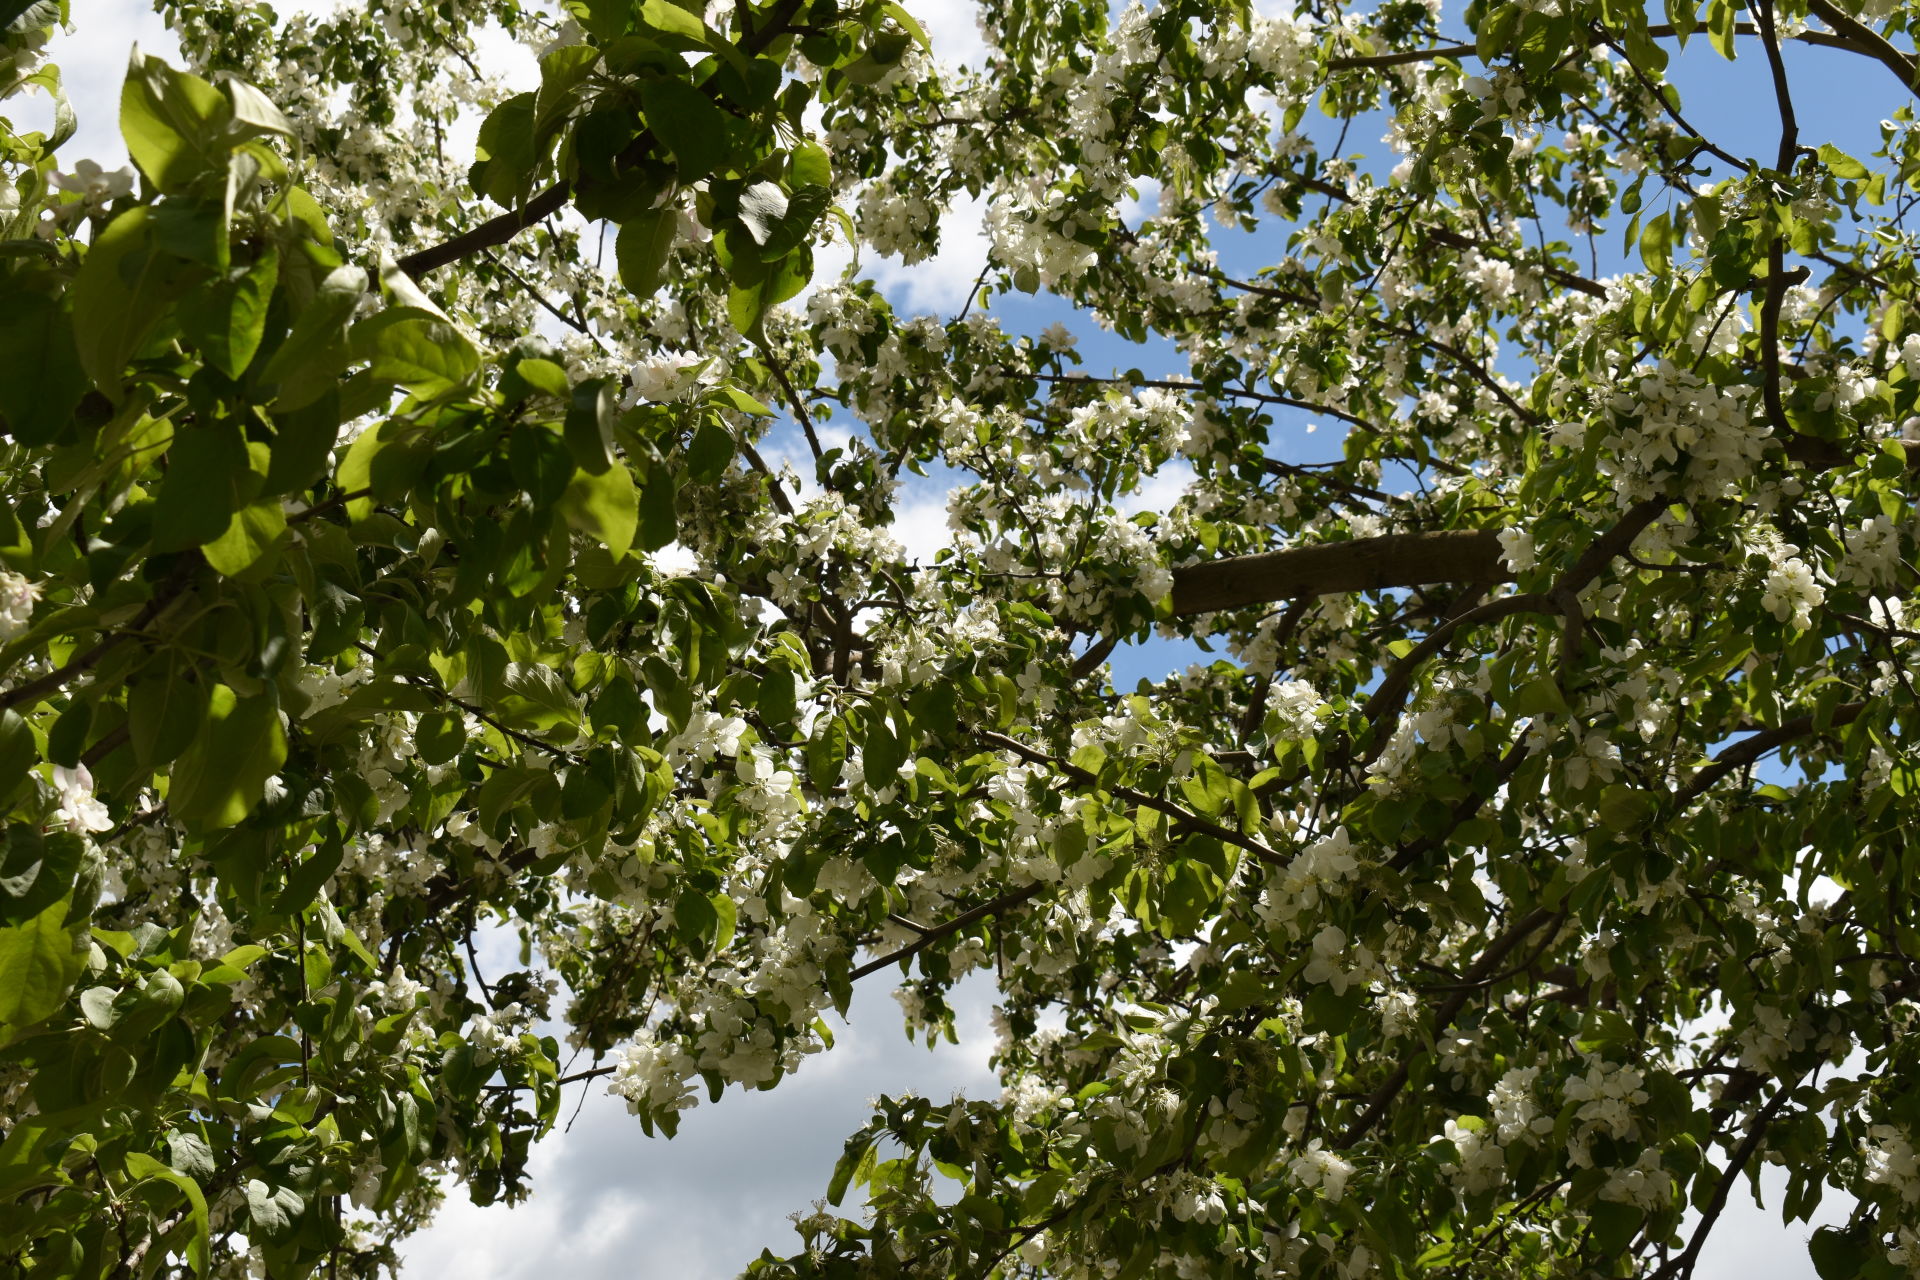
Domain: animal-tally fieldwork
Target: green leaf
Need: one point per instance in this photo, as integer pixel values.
(1839, 1254)
(673, 20)
(544, 376)
(1656, 245)
(795, 223)
(692, 128)
(589, 426)
(120, 293)
(254, 114)
(1642, 48)
(1613, 1226)
(41, 380)
(39, 962)
(36, 870)
(853, 1158)
(198, 497)
(18, 15)
(175, 123)
(68, 737)
(881, 752)
(302, 446)
(306, 365)
(1540, 697)
(253, 531)
(16, 548)
(1840, 163)
(189, 1153)
(748, 301)
(671, 696)
(194, 231)
(273, 1212)
(146, 1167)
(694, 915)
(808, 166)
(533, 696)
(220, 778)
(561, 73)
(226, 317)
(1685, 17)
(741, 400)
(659, 513)
(164, 715)
(439, 737)
(709, 452)
(603, 506)
(1721, 27)
(777, 700)
(506, 150)
(424, 353)
(908, 21)
(643, 247)
(1623, 808)
(18, 751)
(882, 56)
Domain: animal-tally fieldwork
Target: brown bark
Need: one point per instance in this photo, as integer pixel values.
(1366, 564)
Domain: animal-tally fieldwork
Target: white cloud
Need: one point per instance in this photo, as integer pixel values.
(941, 283)
(93, 64)
(920, 522)
(610, 1202)
(1143, 204)
(953, 29)
(1162, 489)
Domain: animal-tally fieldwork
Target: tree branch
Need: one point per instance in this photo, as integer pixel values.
(936, 932)
(1158, 804)
(1331, 568)
(1393, 686)
(168, 592)
(1683, 1265)
(1867, 42)
(1742, 754)
(1663, 31)
(1470, 981)
(499, 230)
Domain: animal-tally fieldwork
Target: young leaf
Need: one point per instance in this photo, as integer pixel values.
(41, 380)
(175, 123)
(692, 128)
(603, 506)
(642, 249)
(219, 779)
(122, 288)
(226, 317)
(39, 962)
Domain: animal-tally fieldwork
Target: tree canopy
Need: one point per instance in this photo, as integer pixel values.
(393, 560)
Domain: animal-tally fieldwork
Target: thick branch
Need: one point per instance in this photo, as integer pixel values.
(1364, 564)
(494, 231)
(1748, 751)
(1866, 41)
